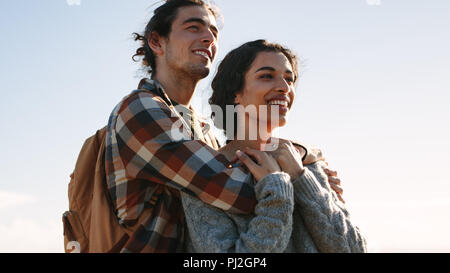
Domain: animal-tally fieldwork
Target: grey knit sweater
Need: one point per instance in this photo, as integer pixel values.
(304, 215)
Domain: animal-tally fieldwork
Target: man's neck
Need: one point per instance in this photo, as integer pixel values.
(179, 88)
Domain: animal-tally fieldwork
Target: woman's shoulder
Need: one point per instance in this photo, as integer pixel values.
(313, 153)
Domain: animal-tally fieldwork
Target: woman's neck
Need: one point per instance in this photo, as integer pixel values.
(253, 144)
(258, 140)
(232, 146)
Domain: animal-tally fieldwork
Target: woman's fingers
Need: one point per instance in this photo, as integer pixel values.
(234, 160)
(283, 160)
(265, 164)
(290, 160)
(251, 165)
(257, 155)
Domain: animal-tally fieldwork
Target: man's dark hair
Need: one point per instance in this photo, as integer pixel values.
(230, 77)
(161, 22)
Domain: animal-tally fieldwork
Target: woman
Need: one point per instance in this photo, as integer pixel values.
(297, 210)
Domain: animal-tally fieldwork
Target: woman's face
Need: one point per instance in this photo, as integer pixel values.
(269, 83)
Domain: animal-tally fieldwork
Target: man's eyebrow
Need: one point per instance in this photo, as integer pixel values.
(272, 69)
(200, 21)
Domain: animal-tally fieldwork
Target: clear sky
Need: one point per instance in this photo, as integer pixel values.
(373, 95)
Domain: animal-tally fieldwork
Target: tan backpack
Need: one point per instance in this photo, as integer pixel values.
(91, 225)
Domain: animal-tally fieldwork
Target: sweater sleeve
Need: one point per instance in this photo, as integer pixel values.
(326, 218)
(213, 230)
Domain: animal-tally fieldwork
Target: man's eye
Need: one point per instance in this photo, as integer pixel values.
(194, 28)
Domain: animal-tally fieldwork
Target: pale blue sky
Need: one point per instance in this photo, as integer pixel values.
(374, 95)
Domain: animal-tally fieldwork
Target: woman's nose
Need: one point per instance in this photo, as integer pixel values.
(282, 86)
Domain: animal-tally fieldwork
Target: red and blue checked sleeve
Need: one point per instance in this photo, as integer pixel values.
(150, 150)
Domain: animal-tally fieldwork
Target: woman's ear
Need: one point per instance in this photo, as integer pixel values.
(237, 98)
(155, 42)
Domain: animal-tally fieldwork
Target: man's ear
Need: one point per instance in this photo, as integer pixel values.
(155, 42)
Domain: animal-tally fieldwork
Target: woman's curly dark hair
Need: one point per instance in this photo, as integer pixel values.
(161, 22)
(230, 77)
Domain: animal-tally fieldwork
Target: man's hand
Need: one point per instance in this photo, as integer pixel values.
(334, 182)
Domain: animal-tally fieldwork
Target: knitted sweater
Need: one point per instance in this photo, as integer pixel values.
(302, 216)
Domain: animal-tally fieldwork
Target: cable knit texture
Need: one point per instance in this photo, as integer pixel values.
(314, 221)
(268, 230)
(324, 216)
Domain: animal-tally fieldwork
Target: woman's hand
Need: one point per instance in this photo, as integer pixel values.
(265, 164)
(290, 160)
(229, 151)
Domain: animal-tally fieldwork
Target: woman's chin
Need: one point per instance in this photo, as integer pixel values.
(282, 120)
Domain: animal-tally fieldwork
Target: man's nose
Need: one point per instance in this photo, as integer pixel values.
(208, 37)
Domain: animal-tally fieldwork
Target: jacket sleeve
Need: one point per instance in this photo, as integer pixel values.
(269, 230)
(146, 136)
(326, 218)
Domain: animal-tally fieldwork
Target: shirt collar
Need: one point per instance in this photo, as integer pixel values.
(154, 86)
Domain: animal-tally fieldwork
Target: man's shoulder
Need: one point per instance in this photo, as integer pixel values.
(141, 99)
(137, 102)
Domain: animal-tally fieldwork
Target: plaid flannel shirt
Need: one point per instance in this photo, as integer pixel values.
(147, 164)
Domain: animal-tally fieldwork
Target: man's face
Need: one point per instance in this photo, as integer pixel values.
(192, 43)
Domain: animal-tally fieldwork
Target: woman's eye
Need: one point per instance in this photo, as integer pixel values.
(290, 80)
(266, 76)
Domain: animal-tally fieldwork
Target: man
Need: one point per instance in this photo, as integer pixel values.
(146, 164)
